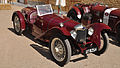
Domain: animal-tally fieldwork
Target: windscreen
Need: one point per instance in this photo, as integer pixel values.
(44, 9)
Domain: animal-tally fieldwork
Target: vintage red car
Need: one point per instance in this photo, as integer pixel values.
(66, 37)
(100, 13)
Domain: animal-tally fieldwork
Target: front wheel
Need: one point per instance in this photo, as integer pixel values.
(60, 49)
(103, 43)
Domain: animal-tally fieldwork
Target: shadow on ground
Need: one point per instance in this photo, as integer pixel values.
(12, 30)
(29, 36)
(78, 59)
(113, 41)
(43, 51)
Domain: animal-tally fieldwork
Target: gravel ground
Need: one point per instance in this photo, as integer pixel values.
(23, 52)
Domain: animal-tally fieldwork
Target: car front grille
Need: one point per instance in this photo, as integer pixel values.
(81, 35)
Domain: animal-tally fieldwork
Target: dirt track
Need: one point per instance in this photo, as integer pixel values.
(23, 52)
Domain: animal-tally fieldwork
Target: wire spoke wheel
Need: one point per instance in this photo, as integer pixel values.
(103, 44)
(17, 24)
(58, 49)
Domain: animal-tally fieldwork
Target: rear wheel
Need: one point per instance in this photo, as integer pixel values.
(17, 25)
(118, 34)
(60, 50)
(103, 43)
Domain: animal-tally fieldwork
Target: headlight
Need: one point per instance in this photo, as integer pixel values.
(90, 31)
(73, 33)
(79, 16)
(101, 20)
(61, 24)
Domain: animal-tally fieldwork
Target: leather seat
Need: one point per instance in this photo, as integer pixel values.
(33, 17)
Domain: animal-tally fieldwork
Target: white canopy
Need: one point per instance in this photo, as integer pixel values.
(61, 2)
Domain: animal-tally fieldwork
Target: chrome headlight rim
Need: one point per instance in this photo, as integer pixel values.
(61, 24)
(73, 33)
(79, 27)
(79, 16)
(90, 31)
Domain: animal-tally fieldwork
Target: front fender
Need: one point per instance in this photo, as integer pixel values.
(98, 28)
(61, 30)
(22, 21)
(55, 30)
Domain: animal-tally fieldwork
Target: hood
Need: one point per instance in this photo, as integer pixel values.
(54, 20)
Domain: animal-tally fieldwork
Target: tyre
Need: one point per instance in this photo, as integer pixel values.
(73, 15)
(118, 33)
(60, 49)
(103, 44)
(17, 25)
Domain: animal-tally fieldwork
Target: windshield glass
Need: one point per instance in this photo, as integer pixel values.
(44, 9)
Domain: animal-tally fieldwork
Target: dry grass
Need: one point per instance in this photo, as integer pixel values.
(5, 6)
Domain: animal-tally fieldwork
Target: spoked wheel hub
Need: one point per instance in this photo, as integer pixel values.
(58, 49)
(17, 24)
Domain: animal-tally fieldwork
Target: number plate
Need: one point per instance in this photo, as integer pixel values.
(91, 50)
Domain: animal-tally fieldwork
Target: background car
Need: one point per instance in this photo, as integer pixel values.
(100, 13)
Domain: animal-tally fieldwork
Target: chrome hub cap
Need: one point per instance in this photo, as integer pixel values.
(17, 24)
(58, 49)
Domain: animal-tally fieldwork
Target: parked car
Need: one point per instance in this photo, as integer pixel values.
(66, 37)
(100, 13)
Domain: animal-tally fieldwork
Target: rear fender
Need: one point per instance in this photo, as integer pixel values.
(78, 11)
(22, 21)
(98, 28)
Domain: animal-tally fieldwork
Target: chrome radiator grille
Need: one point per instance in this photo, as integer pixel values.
(81, 35)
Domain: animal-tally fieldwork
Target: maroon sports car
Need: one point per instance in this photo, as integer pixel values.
(66, 37)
